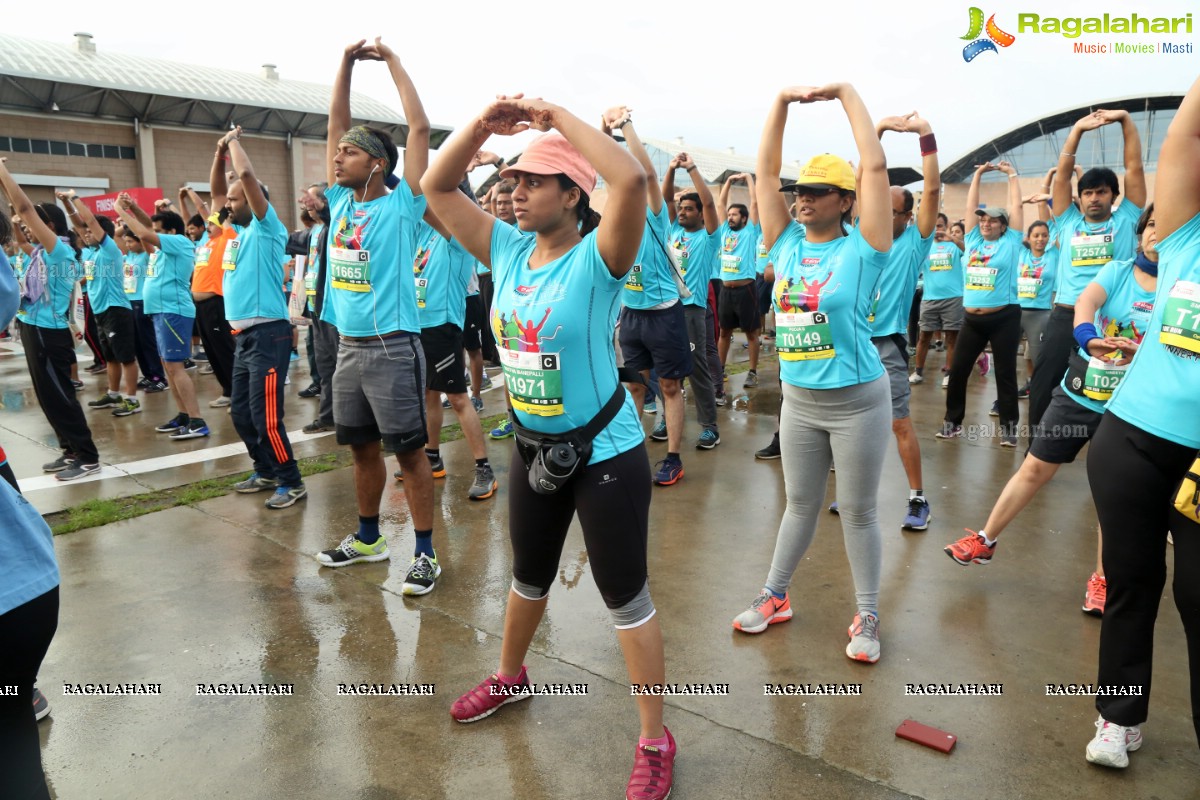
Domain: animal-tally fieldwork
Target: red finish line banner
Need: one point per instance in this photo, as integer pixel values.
(103, 204)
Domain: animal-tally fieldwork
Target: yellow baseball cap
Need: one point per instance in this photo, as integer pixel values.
(824, 172)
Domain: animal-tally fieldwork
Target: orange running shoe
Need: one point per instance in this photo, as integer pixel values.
(1093, 597)
(970, 549)
(767, 609)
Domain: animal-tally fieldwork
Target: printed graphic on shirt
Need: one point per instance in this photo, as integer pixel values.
(532, 366)
(420, 262)
(802, 331)
(1029, 281)
(349, 263)
(1181, 320)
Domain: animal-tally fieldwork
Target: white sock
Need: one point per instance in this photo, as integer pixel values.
(986, 540)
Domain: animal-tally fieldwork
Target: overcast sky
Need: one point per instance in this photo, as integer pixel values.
(704, 71)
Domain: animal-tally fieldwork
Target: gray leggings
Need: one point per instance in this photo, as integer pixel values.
(849, 426)
(1033, 322)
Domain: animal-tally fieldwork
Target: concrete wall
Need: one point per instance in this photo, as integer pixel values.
(121, 173)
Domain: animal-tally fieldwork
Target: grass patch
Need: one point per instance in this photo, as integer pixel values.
(95, 513)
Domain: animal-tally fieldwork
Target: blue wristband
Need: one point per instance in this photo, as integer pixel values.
(1085, 333)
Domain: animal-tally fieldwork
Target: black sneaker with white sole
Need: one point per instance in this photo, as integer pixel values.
(77, 471)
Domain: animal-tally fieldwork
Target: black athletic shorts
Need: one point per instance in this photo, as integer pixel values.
(117, 342)
(474, 323)
(445, 362)
(738, 308)
(656, 339)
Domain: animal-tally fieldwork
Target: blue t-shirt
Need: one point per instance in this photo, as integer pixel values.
(28, 568)
(1159, 393)
(10, 293)
(168, 286)
(649, 282)
(370, 247)
(693, 254)
(898, 283)
(133, 275)
(105, 287)
(554, 331)
(943, 271)
(252, 279)
(442, 270)
(1125, 312)
(53, 308)
(1085, 247)
(990, 269)
(1036, 278)
(822, 296)
(761, 255)
(737, 252)
(312, 264)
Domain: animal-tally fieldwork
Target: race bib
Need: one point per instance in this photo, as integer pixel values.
(633, 282)
(1101, 378)
(803, 337)
(129, 279)
(202, 255)
(230, 257)
(534, 382)
(1091, 250)
(941, 262)
(1181, 317)
(980, 278)
(350, 269)
(152, 265)
(422, 291)
(310, 280)
(1028, 288)
(89, 270)
(730, 264)
(680, 257)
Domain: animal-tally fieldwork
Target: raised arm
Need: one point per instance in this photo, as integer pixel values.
(23, 207)
(135, 219)
(668, 187)
(753, 197)
(201, 206)
(1177, 192)
(712, 220)
(618, 118)
(339, 107)
(931, 191)
(1016, 211)
(184, 211)
(1061, 191)
(466, 222)
(1039, 199)
(81, 216)
(255, 197)
(416, 146)
(619, 236)
(723, 197)
(218, 182)
(1135, 173)
(970, 219)
(18, 234)
(874, 196)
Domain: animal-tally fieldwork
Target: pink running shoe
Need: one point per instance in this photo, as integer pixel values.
(486, 698)
(653, 772)
(985, 364)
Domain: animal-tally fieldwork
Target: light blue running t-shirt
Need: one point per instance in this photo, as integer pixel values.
(990, 269)
(442, 270)
(1161, 390)
(898, 283)
(554, 332)
(737, 252)
(822, 297)
(1085, 247)
(369, 277)
(168, 286)
(693, 253)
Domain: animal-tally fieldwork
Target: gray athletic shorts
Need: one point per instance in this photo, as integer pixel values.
(1033, 322)
(379, 392)
(942, 315)
(895, 362)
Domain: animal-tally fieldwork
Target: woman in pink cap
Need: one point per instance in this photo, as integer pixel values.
(566, 398)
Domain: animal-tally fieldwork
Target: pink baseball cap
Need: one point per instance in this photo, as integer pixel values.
(552, 154)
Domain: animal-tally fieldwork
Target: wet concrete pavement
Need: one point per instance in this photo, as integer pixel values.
(227, 592)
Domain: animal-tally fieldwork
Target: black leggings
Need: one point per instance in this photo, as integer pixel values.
(1003, 330)
(1134, 476)
(49, 353)
(1053, 358)
(26, 632)
(612, 498)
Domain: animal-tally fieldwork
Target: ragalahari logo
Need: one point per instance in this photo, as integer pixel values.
(995, 36)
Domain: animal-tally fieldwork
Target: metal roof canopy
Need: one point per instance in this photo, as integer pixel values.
(962, 169)
(77, 81)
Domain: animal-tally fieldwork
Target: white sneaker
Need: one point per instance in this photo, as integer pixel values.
(220, 402)
(1111, 745)
(946, 382)
(916, 377)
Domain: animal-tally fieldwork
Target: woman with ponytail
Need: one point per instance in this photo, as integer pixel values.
(554, 311)
(49, 278)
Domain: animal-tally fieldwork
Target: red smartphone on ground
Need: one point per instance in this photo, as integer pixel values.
(926, 735)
